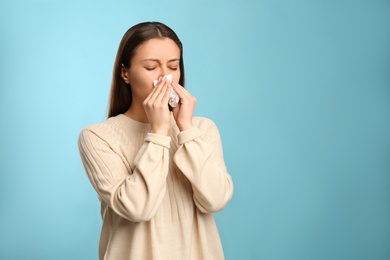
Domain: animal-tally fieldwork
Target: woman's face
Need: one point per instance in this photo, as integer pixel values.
(152, 59)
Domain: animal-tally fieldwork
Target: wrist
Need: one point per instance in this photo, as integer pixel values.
(159, 130)
(185, 127)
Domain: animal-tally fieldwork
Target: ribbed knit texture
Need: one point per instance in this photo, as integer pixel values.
(157, 192)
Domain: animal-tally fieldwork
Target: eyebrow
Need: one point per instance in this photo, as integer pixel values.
(158, 61)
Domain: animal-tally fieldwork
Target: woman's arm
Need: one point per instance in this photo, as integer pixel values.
(135, 195)
(200, 158)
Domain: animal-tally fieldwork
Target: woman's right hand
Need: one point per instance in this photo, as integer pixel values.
(156, 107)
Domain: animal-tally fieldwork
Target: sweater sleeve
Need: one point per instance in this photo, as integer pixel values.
(200, 158)
(134, 195)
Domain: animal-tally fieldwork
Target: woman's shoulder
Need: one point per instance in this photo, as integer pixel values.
(116, 127)
(200, 120)
(98, 131)
(204, 123)
(106, 126)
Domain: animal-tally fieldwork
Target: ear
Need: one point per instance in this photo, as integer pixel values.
(125, 74)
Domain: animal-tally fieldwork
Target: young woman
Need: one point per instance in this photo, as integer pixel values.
(158, 171)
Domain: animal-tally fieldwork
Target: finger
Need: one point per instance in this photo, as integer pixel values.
(156, 86)
(164, 93)
(182, 92)
(158, 91)
(184, 95)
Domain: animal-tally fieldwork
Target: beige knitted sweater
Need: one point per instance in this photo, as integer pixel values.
(157, 192)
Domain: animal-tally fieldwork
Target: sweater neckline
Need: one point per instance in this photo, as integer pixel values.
(139, 125)
(134, 123)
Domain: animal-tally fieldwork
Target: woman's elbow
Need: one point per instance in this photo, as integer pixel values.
(211, 206)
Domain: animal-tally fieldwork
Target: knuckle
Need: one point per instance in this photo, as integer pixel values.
(147, 104)
(157, 105)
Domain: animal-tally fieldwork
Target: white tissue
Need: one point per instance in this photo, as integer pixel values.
(174, 98)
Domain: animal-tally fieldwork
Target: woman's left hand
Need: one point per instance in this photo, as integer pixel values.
(184, 112)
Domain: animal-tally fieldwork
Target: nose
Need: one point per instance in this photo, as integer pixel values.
(164, 70)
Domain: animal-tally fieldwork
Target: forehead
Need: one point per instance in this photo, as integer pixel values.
(157, 48)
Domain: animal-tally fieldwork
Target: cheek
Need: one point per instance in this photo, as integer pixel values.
(176, 75)
(141, 85)
(141, 79)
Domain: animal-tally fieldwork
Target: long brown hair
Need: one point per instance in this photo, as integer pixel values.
(120, 93)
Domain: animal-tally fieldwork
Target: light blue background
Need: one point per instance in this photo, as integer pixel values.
(300, 91)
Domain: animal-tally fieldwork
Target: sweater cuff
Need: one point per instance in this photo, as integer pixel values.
(158, 139)
(189, 135)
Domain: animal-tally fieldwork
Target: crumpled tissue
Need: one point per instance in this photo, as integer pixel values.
(174, 98)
